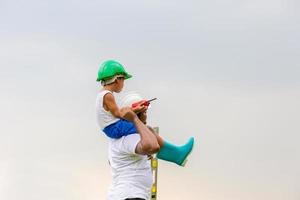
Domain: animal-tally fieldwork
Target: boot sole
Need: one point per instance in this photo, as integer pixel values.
(186, 159)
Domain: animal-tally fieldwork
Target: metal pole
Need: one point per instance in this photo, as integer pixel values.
(154, 166)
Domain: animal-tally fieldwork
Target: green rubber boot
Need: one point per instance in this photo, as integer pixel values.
(176, 154)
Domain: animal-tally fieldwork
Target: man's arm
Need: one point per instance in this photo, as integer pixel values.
(158, 138)
(148, 143)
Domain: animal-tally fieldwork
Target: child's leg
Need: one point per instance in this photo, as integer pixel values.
(119, 129)
(174, 153)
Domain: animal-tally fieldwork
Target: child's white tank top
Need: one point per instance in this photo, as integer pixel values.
(104, 118)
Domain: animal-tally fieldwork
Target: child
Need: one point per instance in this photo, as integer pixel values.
(112, 75)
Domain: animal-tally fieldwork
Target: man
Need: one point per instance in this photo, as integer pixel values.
(131, 170)
(132, 175)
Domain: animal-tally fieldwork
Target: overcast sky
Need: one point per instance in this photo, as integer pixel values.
(224, 71)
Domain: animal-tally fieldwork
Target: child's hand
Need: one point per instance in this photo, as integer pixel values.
(140, 107)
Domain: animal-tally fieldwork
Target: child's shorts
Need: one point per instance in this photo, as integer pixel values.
(119, 129)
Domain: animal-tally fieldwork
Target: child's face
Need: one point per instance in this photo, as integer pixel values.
(119, 84)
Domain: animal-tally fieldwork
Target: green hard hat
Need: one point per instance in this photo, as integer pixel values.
(111, 68)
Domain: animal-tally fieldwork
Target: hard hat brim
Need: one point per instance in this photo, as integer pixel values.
(126, 76)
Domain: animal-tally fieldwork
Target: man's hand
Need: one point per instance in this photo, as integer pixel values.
(149, 157)
(128, 114)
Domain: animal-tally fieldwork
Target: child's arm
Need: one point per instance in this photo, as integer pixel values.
(110, 105)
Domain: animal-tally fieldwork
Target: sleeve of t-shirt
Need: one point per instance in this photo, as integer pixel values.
(130, 142)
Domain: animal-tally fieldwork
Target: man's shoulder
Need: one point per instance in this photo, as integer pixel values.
(126, 139)
(126, 143)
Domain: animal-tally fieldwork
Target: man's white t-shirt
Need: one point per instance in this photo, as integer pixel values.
(131, 172)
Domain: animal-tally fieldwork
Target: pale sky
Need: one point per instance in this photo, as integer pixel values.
(224, 71)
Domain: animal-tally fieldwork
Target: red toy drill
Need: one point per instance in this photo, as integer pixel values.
(143, 103)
